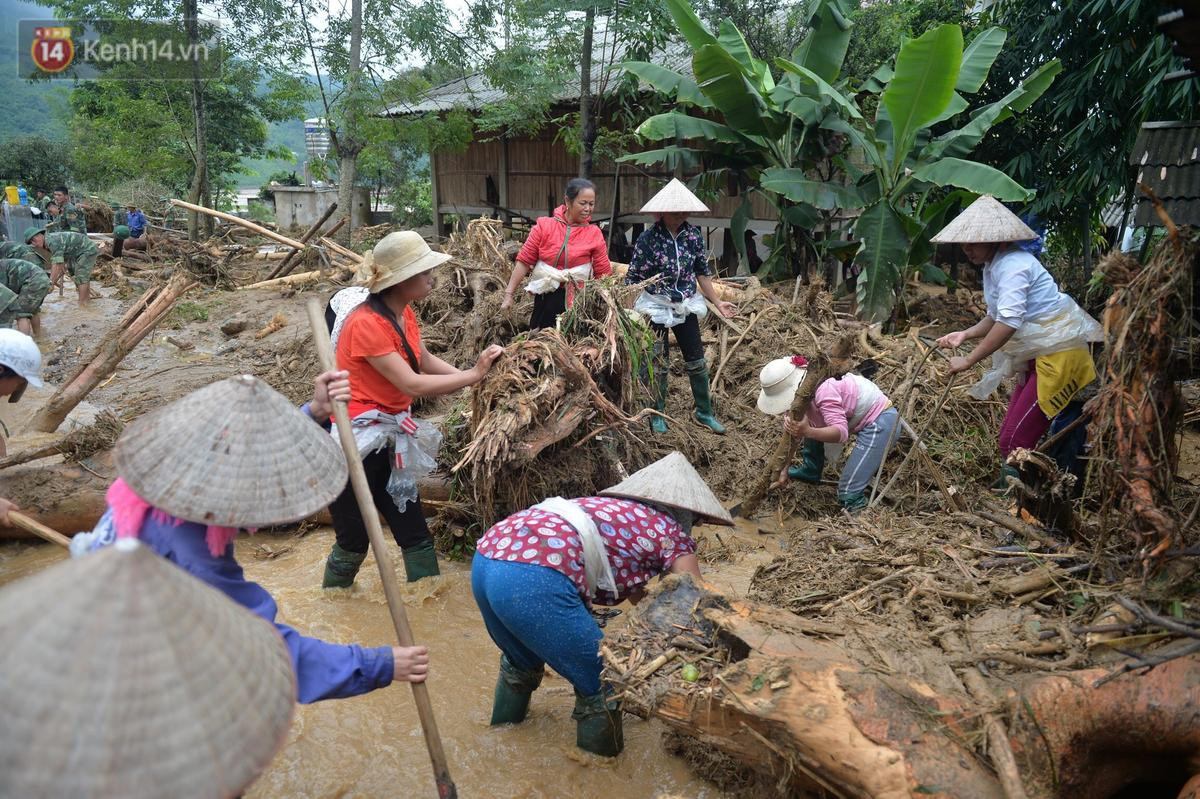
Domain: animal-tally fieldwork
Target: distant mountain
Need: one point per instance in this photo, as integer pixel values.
(41, 107)
(32, 107)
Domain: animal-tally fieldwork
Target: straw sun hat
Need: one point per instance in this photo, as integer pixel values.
(122, 675)
(985, 221)
(674, 198)
(672, 481)
(396, 258)
(779, 381)
(235, 453)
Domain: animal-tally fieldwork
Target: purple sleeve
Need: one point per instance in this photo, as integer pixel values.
(335, 671)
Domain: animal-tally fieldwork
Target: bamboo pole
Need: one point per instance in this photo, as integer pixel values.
(340, 250)
(237, 220)
(282, 269)
(31, 525)
(383, 556)
(117, 344)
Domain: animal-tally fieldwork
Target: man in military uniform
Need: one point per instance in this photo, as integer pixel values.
(15, 249)
(23, 287)
(70, 253)
(69, 217)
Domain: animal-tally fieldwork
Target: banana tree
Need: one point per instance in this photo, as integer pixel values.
(733, 123)
(912, 167)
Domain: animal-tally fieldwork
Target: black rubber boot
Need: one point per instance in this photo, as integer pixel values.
(341, 567)
(697, 372)
(598, 726)
(514, 689)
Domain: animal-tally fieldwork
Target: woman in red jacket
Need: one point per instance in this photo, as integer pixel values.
(561, 252)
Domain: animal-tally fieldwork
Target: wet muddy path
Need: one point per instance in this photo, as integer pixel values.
(372, 745)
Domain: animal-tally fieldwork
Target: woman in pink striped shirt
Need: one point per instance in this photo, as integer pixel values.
(841, 406)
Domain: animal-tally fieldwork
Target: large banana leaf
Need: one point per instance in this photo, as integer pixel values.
(824, 48)
(972, 176)
(884, 251)
(818, 87)
(926, 72)
(798, 187)
(721, 79)
(978, 58)
(671, 157)
(959, 143)
(735, 44)
(675, 125)
(689, 24)
(668, 81)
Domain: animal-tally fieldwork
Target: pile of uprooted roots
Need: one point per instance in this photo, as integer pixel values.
(1139, 407)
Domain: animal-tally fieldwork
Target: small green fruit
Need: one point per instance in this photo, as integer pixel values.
(690, 672)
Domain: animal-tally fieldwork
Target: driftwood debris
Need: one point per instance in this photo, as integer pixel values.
(237, 220)
(139, 320)
(807, 713)
(284, 267)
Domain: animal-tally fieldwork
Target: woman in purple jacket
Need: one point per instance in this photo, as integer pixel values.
(236, 455)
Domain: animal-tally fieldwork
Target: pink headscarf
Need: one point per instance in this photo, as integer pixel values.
(129, 511)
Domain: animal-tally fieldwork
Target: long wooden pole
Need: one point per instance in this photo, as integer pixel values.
(308, 234)
(383, 556)
(30, 525)
(237, 220)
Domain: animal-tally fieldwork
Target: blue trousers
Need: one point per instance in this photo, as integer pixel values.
(870, 448)
(536, 616)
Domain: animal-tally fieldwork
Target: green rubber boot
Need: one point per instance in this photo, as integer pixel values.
(697, 372)
(1001, 484)
(598, 725)
(812, 464)
(514, 689)
(341, 566)
(853, 502)
(420, 561)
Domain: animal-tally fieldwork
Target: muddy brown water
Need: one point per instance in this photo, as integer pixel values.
(372, 745)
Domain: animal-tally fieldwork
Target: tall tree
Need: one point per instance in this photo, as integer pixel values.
(1073, 145)
(346, 139)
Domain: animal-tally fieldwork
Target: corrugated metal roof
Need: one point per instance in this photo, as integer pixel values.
(475, 91)
(1167, 155)
(1167, 143)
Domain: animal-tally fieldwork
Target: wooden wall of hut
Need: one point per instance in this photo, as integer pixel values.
(527, 176)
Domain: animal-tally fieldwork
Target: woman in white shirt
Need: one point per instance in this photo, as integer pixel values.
(1031, 330)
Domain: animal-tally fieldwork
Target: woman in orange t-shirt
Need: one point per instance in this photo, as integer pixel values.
(378, 341)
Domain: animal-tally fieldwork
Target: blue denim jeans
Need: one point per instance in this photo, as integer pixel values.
(536, 616)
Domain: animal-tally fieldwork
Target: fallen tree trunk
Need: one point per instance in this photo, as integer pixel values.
(137, 323)
(70, 498)
(236, 220)
(808, 714)
(283, 269)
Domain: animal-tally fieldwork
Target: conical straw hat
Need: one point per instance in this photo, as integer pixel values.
(984, 221)
(235, 453)
(121, 675)
(673, 482)
(674, 198)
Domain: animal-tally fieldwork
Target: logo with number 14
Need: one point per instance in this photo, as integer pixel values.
(52, 48)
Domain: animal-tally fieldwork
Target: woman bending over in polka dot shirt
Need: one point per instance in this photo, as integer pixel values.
(536, 574)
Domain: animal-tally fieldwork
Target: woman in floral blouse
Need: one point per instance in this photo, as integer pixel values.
(671, 254)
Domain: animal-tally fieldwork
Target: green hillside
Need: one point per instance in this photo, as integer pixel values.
(41, 108)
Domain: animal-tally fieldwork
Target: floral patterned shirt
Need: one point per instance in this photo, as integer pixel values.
(641, 542)
(678, 259)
